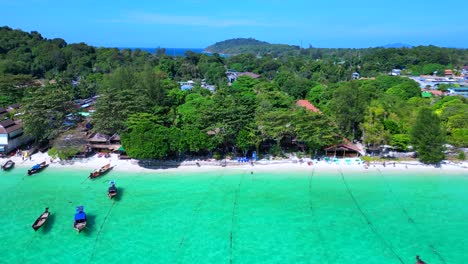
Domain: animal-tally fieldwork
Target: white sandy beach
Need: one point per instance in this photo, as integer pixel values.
(95, 162)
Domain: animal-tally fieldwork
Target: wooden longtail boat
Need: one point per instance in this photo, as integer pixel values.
(112, 191)
(79, 222)
(41, 220)
(8, 165)
(37, 168)
(100, 172)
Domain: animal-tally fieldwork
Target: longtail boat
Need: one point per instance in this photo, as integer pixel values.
(37, 168)
(8, 165)
(41, 220)
(79, 222)
(100, 172)
(112, 191)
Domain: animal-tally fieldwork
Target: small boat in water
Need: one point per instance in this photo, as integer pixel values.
(100, 172)
(8, 165)
(112, 191)
(37, 168)
(80, 219)
(41, 220)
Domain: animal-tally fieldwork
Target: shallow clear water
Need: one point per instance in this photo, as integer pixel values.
(231, 216)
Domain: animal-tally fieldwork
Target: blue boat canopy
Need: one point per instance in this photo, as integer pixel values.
(36, 167)
(80, 216)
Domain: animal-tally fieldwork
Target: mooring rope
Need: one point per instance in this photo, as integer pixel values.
(311, 207)
(233, 214)
(410, 219)
(366, 218)
(100, 230)
(195, 213)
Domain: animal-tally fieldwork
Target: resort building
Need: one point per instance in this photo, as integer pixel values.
(232, 75)
(395, 72)
(355, 76)
(344, 150)
(102, 142)
(188, 85)
(463, 91)
(11, 136)
(448, 73)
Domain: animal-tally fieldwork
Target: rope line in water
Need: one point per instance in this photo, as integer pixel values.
(196, 211)
(233, 214)
(100, 229)
(317, 230)
(410, 219)
(369, 223)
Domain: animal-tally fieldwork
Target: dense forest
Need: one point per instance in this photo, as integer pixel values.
(139, 97)
(252, 46)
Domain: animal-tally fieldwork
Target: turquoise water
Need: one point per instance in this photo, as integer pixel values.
(231, 216)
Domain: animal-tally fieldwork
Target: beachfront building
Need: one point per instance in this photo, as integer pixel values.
(11, 136)
(344, 150)
(103, 142)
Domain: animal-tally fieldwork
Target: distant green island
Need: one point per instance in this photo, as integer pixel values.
(251, 46)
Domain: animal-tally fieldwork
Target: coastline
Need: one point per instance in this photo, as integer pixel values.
(284, 165)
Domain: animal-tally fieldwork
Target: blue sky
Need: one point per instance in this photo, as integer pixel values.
(199, 23)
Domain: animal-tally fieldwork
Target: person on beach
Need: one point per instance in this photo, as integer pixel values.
(419, 260)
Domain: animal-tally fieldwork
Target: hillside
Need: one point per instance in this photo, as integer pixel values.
(252, 46)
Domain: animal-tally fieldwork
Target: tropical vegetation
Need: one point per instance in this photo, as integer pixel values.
(139, 97)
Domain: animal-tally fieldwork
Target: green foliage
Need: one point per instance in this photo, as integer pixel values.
(428, 137)
(45, 109)
(461, 155)
(249, 45)
(138, 94)
(52, 153)
(400, 141)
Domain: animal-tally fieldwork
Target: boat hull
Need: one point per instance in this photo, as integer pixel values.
(112, 194)
(34, 171)
(41, 220)
(105, 169)
(8, 165)
(79, 226)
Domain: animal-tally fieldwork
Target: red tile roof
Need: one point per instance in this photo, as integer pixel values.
(436, 92)
(307, 105)
(347, 145)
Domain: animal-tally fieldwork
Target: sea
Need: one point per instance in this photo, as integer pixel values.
(229, 216)
(170, 51)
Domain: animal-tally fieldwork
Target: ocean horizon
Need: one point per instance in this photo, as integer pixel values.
(169, 51)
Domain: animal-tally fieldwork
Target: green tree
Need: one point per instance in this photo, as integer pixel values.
(428, 137)
(45, 109)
